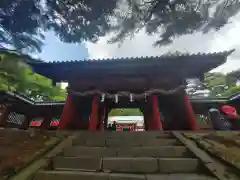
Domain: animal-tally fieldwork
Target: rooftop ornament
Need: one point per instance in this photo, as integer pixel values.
(116, 98)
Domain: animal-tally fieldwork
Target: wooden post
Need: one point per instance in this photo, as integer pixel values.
(46, 122)
(145, 121)
(68, 114)
(26, 122)
(190, 113)
(101, 117)
(94, 117)
(105, 121)
(4, 116)
(148, 115)
(145, 118)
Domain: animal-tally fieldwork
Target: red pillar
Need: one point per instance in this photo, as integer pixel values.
(190, 114)
(152, 114)
(148, 116)
(156, 114)
(68, 114)
(94, 118)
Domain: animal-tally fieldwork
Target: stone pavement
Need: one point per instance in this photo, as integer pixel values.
(125, 156)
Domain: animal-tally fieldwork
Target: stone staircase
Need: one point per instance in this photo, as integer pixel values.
(125, 156)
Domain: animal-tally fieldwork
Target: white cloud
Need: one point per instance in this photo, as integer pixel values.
(142, 45)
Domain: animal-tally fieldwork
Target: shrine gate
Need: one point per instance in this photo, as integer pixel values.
(152, 84)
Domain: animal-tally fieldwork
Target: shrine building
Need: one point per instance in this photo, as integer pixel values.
(152, 84)
(132, 123)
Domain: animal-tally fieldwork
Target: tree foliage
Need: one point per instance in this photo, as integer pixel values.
(216, 83)
(232, 90)
(17, 76)
(23, 22)
(171, 18)
(233, 76)
(220, 84)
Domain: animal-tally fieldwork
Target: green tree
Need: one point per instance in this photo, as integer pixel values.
(232, 90)
(216, 83)
(17, 76)
(11, 71)
(125, 112)
(233, 77)
(39, 87)
(221, 84)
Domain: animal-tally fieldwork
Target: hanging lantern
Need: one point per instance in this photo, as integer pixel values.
(131, 97)
(116, 98)
(102, 97)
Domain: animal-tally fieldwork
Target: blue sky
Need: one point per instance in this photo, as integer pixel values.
(55, 50)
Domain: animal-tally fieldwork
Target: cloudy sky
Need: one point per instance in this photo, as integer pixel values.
(142, 45)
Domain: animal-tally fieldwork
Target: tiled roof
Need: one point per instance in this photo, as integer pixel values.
(169, 55)
(32, 102)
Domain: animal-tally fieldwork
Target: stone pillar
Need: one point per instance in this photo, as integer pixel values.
(68, 114)
(190, 113)
(94, 117)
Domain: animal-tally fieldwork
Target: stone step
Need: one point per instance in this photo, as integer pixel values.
(79, 163)
(140, 134)
(90, 151)
(127, 165)
(157, 152)
(163, 151)
(150, 165)
(141, 142)
(89, 138)
(76, 175)
(128, 142)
